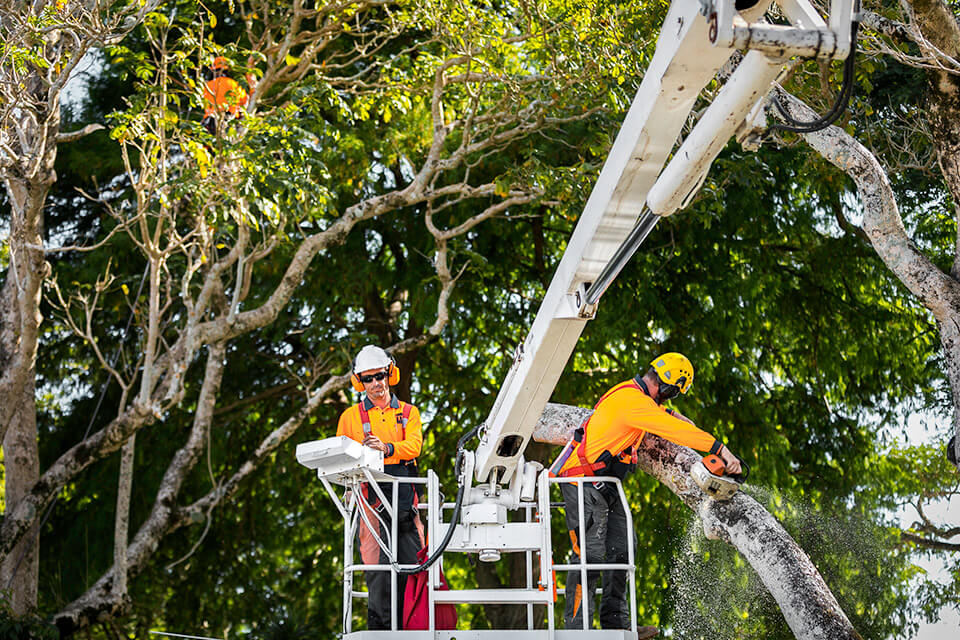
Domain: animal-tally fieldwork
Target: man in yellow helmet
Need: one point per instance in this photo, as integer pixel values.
(606, 446)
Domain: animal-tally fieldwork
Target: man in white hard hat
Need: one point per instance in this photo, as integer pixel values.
(382, 422)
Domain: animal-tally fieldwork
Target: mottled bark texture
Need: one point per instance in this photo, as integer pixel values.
(20, 567)
(29, 132)
(937, 290)
(806, 601)
(939, 24)
(27, 184)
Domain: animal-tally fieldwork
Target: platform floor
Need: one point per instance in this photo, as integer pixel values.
(538, 634)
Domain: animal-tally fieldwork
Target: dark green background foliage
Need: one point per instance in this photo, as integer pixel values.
(809, 355)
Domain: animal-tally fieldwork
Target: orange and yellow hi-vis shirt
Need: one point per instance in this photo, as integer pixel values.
(223, 95)
(624, 415)
(386, 425)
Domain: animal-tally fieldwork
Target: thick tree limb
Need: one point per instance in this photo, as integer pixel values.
(20, 518)
(808, 605)
(108, 596)
(938, 291)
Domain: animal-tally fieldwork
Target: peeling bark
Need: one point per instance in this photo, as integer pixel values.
(808, 605)
(20, 567)
(882, 223)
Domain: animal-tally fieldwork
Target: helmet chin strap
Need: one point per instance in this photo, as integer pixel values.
(667, 391)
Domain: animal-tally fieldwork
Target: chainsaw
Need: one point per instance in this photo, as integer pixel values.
(710, 475)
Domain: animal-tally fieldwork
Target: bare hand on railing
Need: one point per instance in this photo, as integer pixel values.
(374, 442)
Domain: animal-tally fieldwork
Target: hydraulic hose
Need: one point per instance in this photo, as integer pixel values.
(846, 90)
(457, 505)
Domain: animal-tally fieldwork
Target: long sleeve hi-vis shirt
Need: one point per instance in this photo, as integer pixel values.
(624, 415)
(386, 424)
(223, 95)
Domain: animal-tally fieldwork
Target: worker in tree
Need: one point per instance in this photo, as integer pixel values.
(382, 422)
(222, 95)
(606, 446)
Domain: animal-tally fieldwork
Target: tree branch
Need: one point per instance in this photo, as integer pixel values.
(79, 133)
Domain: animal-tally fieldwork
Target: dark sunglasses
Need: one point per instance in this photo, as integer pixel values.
(373, 376)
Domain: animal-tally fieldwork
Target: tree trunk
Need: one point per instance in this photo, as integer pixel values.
(122, 518)
(808, 605)
(20, 308)
(20, 568)
(935, 289)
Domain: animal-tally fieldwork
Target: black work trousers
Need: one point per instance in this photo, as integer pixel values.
(378, 582)
(606, 541)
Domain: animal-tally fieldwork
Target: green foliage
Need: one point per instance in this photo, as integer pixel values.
(25, 627)
(808, 353)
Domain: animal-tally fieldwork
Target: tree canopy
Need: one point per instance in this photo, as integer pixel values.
(407, 174)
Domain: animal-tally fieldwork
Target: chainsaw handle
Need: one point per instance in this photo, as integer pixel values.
(741, 477)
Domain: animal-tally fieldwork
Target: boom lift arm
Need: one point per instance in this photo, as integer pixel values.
(698, 37)
(632, 193)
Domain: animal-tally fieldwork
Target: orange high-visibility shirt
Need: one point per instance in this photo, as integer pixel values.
(223, 95)
(625, 416)
(383, 424)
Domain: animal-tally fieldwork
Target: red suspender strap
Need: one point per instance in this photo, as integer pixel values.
(371, 496)
(403, 417)
(365, 419)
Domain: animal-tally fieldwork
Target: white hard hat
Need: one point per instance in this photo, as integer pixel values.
(371, 357)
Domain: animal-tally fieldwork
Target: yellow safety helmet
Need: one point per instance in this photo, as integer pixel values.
(674, 369)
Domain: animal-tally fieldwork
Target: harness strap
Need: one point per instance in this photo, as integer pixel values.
(586, 468)
(403, 417)
(365, 419)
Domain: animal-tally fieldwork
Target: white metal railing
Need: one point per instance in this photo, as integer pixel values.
(535, 592)
(583, 566)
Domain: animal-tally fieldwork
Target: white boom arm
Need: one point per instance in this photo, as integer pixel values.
(697, 39)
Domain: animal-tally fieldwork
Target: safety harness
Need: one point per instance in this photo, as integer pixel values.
(403, 417)
(579, 443)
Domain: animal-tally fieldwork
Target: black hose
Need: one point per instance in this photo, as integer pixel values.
(458, 503)
(846, 90)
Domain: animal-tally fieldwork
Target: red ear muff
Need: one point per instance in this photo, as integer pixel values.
(394, 377)
(355, 381)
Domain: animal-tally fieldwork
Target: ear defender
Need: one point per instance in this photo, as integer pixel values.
(355, 381)
(393, 376)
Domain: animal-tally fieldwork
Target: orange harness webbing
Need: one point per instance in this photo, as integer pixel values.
(586, 467)
(403, 417)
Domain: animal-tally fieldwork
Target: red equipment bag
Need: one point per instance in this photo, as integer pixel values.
(416, 613)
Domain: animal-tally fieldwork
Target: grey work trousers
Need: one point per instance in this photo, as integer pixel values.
(606, 542)
(378, 582)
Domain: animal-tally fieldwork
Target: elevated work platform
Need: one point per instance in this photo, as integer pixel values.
(541, 634)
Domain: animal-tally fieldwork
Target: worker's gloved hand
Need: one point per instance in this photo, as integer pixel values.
(730, 461)
(374, 442)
